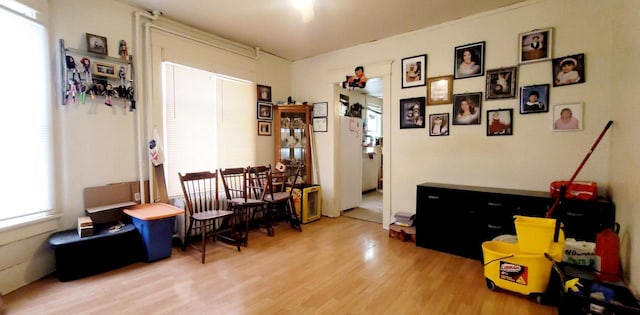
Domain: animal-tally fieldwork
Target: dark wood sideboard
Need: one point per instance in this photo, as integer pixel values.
(456, 219)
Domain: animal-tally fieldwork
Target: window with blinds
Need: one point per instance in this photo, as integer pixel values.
(26, 130)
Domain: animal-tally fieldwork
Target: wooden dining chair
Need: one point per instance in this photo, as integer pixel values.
(202, 208)
(241, 202)
(258, 185)
(280, 195)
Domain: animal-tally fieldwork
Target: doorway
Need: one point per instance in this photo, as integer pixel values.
(370, 207)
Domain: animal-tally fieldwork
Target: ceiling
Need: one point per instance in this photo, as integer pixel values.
(276, 27)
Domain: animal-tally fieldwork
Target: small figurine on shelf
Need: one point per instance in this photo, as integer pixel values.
(122, 73)
(108, 93)
(86, 63)
(71, 66)
(83, 92)
(71, 91)
(123, 51)
(131, 98)
(356, 81)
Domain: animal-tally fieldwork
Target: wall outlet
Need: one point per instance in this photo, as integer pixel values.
(136, 196)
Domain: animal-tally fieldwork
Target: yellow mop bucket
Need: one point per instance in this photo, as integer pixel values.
(535, 235)
(523, 267)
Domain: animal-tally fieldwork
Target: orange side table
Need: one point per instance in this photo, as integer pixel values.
(154, 222)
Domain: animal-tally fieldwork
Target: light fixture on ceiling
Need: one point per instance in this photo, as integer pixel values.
(306, 9)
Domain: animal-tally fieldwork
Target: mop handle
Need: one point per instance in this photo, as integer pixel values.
(593, 147)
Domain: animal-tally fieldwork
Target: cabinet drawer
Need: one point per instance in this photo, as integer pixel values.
(582, 220)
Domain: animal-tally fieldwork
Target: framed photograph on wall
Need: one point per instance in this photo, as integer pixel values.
(264, 128)
(320, 124)
(414, 70)
(534, 99)
(535, 45)
(412, 112)
(501, 83)
(105, 69)
(440, 90)
(265, 110)
(264, 93)
(500, 122)
(320, 109)
(568, 70)
(97, 44)
(439, 124)
(469, 60)
(567, 117)
(466, 108)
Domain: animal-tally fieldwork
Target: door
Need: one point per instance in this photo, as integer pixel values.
(350, 162)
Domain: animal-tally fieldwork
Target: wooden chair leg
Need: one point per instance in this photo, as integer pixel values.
(234, 231)
(294, 221)
(268, 217)
(186, 236)
(203, 228)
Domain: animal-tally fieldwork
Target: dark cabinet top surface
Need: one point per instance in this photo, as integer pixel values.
(503, 191)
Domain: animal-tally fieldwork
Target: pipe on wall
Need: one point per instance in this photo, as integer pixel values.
(141, 143)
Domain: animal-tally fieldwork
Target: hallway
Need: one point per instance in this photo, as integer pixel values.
(369, 210)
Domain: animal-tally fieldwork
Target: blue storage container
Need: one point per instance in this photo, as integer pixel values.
(155, 222)
(156, 235)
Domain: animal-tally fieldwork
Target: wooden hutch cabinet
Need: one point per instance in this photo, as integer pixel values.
(291, 133)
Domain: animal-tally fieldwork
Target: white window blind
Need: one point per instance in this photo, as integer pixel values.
(190, 123)
(26, 162)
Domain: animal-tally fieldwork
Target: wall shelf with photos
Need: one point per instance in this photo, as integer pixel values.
(85, 75)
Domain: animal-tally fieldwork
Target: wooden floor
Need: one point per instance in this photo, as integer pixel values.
(335, 266)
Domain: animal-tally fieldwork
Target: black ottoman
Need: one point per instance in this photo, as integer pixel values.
(81, 257)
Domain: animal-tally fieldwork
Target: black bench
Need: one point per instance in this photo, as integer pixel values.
(78, 257)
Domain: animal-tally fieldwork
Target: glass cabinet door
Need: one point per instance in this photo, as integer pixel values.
(292, 137)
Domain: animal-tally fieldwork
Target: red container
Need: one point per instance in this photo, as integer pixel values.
(608, 255)
(577, 190)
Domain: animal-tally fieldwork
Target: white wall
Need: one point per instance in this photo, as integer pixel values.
(625, 157)
(96, 144)
(534, 156)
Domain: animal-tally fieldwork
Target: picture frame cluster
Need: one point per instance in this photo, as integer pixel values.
(500, 84)
(264, 110)
(320, 116)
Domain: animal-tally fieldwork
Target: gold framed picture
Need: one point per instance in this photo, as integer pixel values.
(105, 69)
(440, 90)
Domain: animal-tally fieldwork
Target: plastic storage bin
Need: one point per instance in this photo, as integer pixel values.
(155, 224)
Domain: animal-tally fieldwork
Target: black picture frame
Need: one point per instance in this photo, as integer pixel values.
(474, 66)
(265, 111)
(574, 75)
(539, 104)
(264, 93)
(414, 71)
(320, 109)
(97, 44)
(412, 112)
(500, 122)
(536, 45)
(439, 124)
(471, 116)
(264, 128)
(320, 124)
(501, 83)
